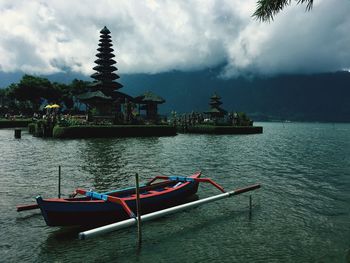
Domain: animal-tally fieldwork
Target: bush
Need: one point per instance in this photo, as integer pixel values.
(4, 123)
(70, 121)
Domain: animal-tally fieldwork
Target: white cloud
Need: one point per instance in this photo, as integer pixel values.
(152, 36)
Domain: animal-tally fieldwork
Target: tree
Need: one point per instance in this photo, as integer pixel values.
(79, 87)
(31, 92)
(53, 93)
(33, 89)
(15, 101)
(3, 97)
(267, 9)
(2, 101)
(62, 94)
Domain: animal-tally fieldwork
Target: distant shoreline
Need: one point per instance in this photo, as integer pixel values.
(283, 121)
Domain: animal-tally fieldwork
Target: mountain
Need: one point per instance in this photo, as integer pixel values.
(318, 97)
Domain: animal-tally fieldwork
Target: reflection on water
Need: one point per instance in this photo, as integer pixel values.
(301, 214)
(114, 162)
(103, 161)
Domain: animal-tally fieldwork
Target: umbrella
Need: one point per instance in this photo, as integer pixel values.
(55, 106)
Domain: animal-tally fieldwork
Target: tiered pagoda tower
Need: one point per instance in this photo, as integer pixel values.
(103, 99)
(215, 110)
(103, 95)
(104, 76)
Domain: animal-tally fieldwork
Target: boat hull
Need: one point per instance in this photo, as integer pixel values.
(84, 211)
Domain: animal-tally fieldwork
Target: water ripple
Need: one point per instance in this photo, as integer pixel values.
(300, 215)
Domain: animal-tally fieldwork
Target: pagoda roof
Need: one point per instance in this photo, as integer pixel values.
(105, 30)
(105, 76)
(105, 56)
(105, 49)
(148, 97)
(215, 103)
(93, 95)
(105, 36)
(105, 61)
(105, 40)
(216, 111)
(99, 83)
(215, 97)
(106, 68)
(105, 44)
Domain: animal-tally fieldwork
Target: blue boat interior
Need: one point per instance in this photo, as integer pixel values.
(144, 189)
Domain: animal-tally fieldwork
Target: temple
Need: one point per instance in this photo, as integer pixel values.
(215, 112)
(149, 103)
(105, 101)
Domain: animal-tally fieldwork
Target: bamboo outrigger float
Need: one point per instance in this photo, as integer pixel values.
(161, 213)
(117, 209)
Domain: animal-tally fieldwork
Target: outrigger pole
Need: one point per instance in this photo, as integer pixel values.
(157, 214)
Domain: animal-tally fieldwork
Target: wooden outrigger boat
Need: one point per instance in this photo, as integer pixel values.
(98, 209)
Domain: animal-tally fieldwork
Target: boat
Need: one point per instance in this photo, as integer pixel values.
(116, 209)
(118, 205)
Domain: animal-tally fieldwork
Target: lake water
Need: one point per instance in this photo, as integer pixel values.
(301, 213)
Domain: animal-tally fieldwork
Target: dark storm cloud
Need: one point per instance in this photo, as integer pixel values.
(157, 36)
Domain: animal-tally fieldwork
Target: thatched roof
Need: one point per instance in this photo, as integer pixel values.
(99, 95)
(118, 94)
(93, 95)
(148, 97)
(216, 111)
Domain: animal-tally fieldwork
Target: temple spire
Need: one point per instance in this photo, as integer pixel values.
(104, 76)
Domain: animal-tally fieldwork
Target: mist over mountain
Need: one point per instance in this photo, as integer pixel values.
(317, 97)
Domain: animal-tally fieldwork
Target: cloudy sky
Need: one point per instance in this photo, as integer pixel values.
(152, 36)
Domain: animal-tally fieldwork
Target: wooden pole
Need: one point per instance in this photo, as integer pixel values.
(138, 208)
(250, 206)
(26, 207)
(18, 133)
(59, 181)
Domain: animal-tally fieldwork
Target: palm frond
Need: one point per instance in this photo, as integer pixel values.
(308, 5)
(267, 9)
